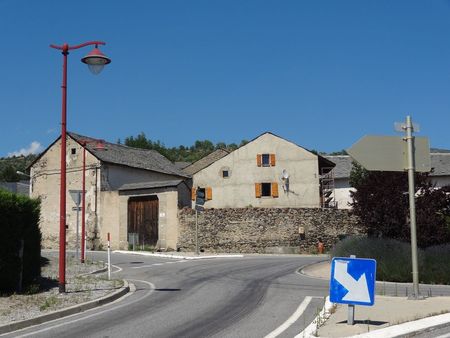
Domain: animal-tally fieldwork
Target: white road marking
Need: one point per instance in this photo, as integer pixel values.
(142, 266)
(117, 267)
(291, 320)
(152, 289)
(158, 264)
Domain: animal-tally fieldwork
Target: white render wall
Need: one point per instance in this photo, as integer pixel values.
(238, 191)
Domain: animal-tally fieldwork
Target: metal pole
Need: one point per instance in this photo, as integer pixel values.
(412, 206)
(78, 233)
(109, 257)
(196, 233)
(351, 308)
(62, 192)
(83, 208)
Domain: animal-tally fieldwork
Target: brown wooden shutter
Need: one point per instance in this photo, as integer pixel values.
(274, 189)
(259, 160)
(272, 160)
(258, 190)
(208, 193)
(193, 194)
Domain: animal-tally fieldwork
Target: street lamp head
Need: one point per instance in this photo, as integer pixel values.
(96, 60)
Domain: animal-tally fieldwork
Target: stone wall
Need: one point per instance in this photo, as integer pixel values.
(265, 230)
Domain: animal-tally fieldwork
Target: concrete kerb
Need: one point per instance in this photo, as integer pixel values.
(67, 311)
(175, 256)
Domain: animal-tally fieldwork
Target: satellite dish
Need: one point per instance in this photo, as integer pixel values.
(284, 174)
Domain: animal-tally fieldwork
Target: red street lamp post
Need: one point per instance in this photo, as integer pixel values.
(95, 60)
(99, 146)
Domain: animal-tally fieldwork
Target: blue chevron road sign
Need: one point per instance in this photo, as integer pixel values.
(353, 281)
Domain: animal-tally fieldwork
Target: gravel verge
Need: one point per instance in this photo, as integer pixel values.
(44, 297)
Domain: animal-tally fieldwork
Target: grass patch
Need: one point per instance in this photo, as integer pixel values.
(394, 259)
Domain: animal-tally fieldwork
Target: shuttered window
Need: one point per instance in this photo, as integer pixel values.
(274, 190)
(193, 194)
(265, 160)
(259, 160)
(208, 193)
(266, 190)
(258, 189)
(272, 160)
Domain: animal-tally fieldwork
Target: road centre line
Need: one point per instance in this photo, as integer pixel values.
(292, 319)
(151, 290)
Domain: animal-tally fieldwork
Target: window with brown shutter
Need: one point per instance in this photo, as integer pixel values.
(208, 193)
(259, 160)
(274, 190)
(272, 160)
(193, 194)
(258, 188)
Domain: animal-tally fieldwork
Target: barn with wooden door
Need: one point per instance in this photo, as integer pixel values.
(128, 191)
(268, 172)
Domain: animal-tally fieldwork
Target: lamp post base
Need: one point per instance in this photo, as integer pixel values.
(62, 288)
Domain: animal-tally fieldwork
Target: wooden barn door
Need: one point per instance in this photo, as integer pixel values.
(143, 218)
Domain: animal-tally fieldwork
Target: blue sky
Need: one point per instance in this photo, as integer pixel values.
(319, 73)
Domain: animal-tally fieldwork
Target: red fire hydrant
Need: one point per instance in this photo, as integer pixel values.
(320, 247)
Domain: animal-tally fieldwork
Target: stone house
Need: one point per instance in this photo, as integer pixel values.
(439, 175)
(267, 172)
(128, 191)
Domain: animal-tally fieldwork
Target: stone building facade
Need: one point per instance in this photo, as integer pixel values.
(120, 180)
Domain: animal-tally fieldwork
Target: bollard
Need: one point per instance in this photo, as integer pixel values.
(109, 257)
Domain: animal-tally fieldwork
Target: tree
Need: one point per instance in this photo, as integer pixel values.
(381, 202)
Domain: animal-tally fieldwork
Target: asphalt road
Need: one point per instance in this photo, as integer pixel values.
(223, 297)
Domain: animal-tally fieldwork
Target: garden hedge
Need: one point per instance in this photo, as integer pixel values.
(19, 220)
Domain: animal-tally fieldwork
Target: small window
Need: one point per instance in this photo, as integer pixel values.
(266, 160)
(73, 151)
(266, 189)
(225, 173)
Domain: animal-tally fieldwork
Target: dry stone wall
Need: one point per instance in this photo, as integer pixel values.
(265, 230)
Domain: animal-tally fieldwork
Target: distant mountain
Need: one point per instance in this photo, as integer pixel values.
(10, 165)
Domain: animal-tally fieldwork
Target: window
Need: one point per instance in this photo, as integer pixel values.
(225, 173)
(202, 193)
(73, 151)
(266, 190)
(265, 160)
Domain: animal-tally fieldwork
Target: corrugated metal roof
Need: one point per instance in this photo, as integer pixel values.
(131, 157)
(440, 164)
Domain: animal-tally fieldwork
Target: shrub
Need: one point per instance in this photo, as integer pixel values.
(394, 259)
(19, 220)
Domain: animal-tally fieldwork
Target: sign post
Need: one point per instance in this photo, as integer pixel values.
(199, 202)
(76, 197)
(352, 282)
(392, 153)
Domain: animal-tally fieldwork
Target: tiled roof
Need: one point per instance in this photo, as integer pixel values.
(440, 164)
(205, 161)
(131, 157)
(150, 185)
(182, 165)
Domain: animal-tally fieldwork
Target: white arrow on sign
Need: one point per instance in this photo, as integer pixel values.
(358, 291)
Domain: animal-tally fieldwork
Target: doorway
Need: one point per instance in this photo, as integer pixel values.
(143, 213)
